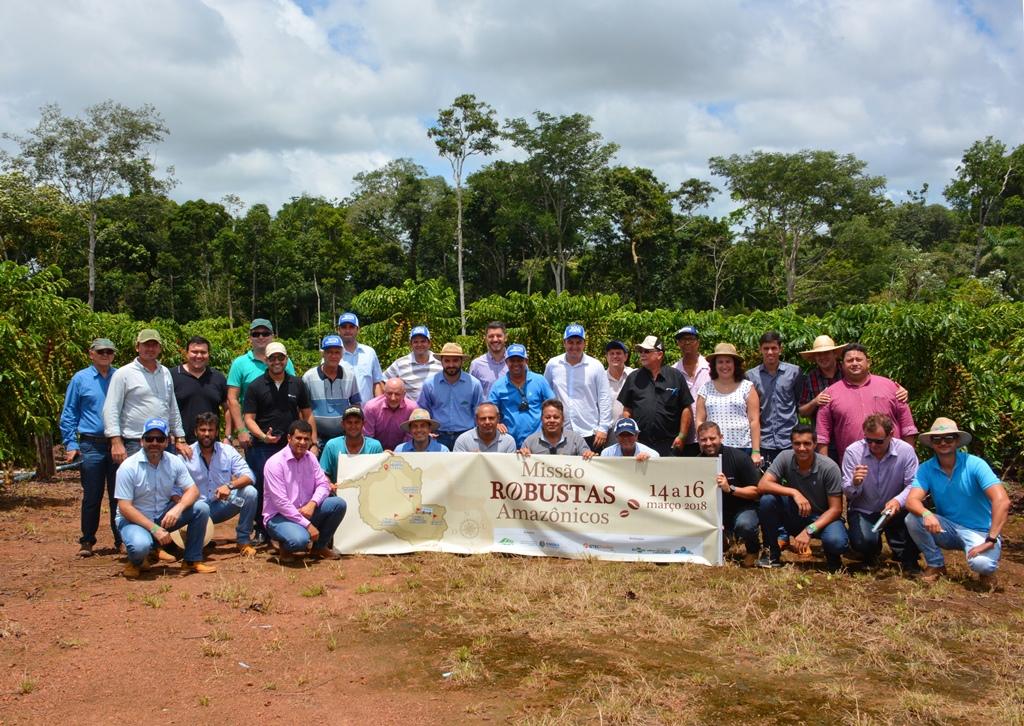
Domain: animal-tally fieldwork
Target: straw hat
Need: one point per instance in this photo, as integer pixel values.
(942, 426)
(451, 349)
(822, 344)
(420, 414)
(724, 349)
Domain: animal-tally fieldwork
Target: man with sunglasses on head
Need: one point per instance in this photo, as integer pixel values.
(877, 473)
(519, 395)
(971, 505)
(245, 369)
(81, 428)
(155, 496)
(140, 391)
(274, 400)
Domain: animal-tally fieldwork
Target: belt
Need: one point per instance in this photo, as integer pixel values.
(93, 438)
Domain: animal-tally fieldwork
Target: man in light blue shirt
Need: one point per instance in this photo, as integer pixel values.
(877, 473)
(81, 428)
(778, 387)
(155, 496)
(420, 426)
(971, 505)
(625, 433)
(451, 396)
(490, 366)
(362, 358)
(484, 437)
(519, 395)
(224, 480)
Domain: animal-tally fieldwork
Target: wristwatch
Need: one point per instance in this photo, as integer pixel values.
(993, 540)
(732, 488)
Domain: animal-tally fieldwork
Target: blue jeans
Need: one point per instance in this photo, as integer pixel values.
(955, 537)
(221, 511)
(776, 512)
(869, 543)
(743, 524)
(98, 475)
(256, 457)
(294, 537)
(138, 541)
(447, 438)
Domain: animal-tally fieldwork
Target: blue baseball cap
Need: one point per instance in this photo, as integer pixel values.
(626, 426)
(155, 424)
(419, 330)
(575, 330)
(687, 330)
(516, 350)
(348, 318)
(330, 341)
(616, 345)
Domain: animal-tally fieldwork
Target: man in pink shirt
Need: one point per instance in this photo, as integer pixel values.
(857, 395)
(298, 509)
(384, 415)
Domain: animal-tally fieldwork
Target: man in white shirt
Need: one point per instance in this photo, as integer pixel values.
(414, 369)
(581, 384)
(697, 372)
(616, 355)
(626, 432)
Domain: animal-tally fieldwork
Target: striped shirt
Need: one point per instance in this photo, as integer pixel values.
(413, 374)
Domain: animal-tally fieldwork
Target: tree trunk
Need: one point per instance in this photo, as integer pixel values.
(92, 258)
(46, 469)
(458, 237)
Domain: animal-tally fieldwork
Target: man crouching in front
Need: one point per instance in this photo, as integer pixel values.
(155, 496)
(298, 509)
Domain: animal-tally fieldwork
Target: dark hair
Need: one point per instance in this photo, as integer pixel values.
(707, 426)
(878, 421)
(737, 373)
(494, 324)
(300, 425)
(772, 336)
(801, 429)
(207, 418)
(553, 403)
(197, 340)
(857, 347)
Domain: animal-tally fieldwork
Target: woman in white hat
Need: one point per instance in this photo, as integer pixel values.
(731, 401)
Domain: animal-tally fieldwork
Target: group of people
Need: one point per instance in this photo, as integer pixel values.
(783, 482)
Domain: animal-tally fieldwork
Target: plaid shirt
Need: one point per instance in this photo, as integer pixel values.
(815, 382)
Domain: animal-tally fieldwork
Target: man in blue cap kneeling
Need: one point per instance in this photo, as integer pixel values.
(155, 496)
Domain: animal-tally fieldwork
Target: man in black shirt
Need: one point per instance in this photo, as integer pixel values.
(272, 402)
(738, 482)
(658, 399)
(200, 389)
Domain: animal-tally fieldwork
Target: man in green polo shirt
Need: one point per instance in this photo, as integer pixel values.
(245, 369)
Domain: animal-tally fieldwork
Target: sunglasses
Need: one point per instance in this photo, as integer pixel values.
(260, 334)
(154, 439)
(276, 357)
(946, 438)
(875, 441)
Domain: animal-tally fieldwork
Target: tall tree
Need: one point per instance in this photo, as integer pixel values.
(567, 160)
(983, 178)
(93, 157)
(792, 200)
(465, 128)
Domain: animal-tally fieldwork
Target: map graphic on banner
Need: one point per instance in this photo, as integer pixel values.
(619, 509)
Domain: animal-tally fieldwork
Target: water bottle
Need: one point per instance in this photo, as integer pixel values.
(236, 499)
(880, 524)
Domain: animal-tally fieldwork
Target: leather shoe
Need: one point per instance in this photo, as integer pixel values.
(326, 553)
(158, 554)
(246, 550)
(198, 567)
(932, 574)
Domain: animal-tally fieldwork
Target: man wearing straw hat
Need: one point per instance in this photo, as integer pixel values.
(971, 505)
(451, 396)
(420, 426)
(156, 495)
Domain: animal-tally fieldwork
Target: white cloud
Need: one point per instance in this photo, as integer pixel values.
(267, 100)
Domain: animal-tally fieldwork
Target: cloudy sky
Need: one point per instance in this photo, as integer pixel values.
(269, 99)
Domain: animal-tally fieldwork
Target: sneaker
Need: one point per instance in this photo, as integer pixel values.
(326, 553)
(989, 582)
(769, 562)
(246, 550)
(932, 574)
(197, 567)
(85, 550)
(749, 560)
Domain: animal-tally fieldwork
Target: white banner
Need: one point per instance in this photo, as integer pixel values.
(660, 510)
